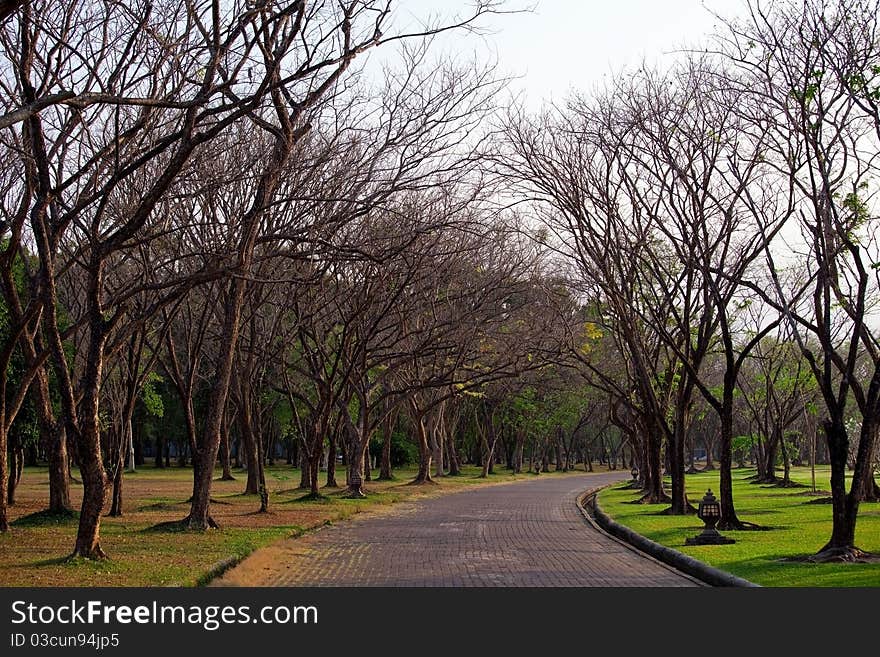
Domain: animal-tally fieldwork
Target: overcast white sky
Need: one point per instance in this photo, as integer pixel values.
(573, 43)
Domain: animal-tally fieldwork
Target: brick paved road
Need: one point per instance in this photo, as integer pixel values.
(521, 534)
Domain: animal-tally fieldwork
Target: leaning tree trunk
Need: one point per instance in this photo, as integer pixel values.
(261, 481)
(91, 465)
(452, 455)
(205, 455)
(94, 478)
(488, 455)
(116, 503)
(59, 467)
(424, 474)
(368, 467)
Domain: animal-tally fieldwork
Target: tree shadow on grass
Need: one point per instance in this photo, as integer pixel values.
(46, 518)
(315, 498)
(171, 504)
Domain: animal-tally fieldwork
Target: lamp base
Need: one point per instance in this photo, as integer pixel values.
(709, 537)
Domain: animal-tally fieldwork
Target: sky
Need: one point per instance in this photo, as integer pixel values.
(565, 44)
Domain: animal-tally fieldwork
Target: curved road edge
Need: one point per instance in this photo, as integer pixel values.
(588, 504)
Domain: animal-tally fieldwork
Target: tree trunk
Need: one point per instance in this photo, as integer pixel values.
(356, 467)
(368, 464)
(14, 467)
(116, 504)
(768, 476)
(452, 455)
(88, 540)
(869, 491)
(303, 463)
(4, 481)
(518, 451)
(91, 465)
(245, 425)
(331, 461)
(488, 439)
(225, 457)
(843, 524)
(262, 489)
(729, 519)
(680, 504)
(424, 474)
(385, 472)
(205, 456)
(203, 475)
(59, 467)
(437, 444)
(560, 465)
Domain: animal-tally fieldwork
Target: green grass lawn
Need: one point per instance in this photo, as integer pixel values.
(796, 529)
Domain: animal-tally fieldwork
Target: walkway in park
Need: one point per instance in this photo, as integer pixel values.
(528, 533)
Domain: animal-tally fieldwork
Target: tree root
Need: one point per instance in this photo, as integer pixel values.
(213, 501)
(97, 554)
(742, 526)
(648, 498)
(782, 483)
(182, 525)
(312, 497)
(813, 493)
(423, 481)
(225, 478)
(758, 479)
(690, 509)
(850, 554)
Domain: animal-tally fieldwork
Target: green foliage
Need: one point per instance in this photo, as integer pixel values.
(151, 397)
(403, 450)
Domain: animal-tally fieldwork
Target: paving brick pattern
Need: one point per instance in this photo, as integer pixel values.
(521, 534)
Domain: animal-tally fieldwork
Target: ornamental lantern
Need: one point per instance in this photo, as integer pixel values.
(709, 511)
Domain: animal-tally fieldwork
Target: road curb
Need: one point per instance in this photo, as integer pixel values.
(588, 503)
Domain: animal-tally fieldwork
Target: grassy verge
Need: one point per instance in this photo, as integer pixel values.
(796, 528)
(33, 552)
